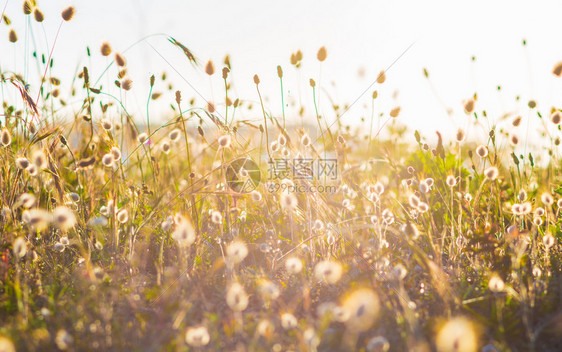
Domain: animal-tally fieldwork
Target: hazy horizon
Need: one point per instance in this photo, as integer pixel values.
(363, 37)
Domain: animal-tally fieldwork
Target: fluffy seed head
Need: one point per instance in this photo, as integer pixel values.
(522, 196)
(491, 173)
(6, 137)
(120, 60)
(496, 284)
(197, 337)
(482, 151)
(328, 271)
(38, 219)
(142, 138)
(387, 216)
(26, 200)
(522, 209)
(547, 199)
(469, 106)
(32, 170)
(381, 77)
(269, 290)
(293, 265)
(378, 344)
(105, 49)
(514, 140)
(175, 135)
(557, 70)
(322, 54)
(460, 135)
(451, 181)
(256, 196)
(395, 112)
(236, 297)
(183, 233)
(166, 147)
(106, 124)
(123, 216)
(39, 159)
(27, 7)
(167, 224)
(548, 240)
(64, 218)
(22, 163)
(12, 36)
(116, 153)
(236, 252)
(74, 197)
(216, 217)
(363, 307)
(288, 321)
(19, 247)
(556, 117)
(423, 187)
(210, 68)
(413, 200)
(458, 334)
(107, 160)
(288, 201)
(127, 84)
(516, 209)
(539, 211)
(224, 141)
(68, 13)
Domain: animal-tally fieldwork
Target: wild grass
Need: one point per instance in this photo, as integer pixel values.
(116, 236)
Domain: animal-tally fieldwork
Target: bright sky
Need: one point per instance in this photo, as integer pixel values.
(359, 35)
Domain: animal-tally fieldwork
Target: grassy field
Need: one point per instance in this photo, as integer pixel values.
(211, 232)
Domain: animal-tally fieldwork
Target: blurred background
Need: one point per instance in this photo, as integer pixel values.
(467, 47)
